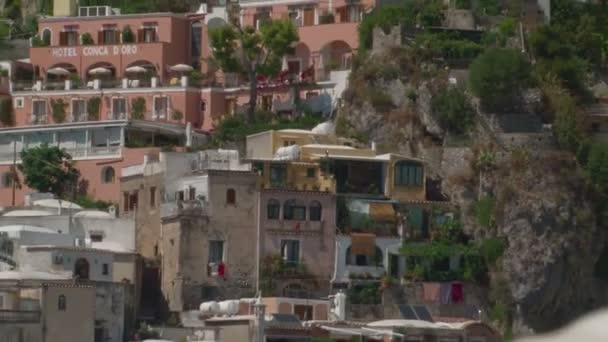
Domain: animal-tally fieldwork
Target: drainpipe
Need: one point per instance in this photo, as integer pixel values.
(259, 247)
(335, 276)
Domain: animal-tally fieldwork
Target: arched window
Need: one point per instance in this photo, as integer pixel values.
(46, 36)
(273, 209)
(61, 303)
(314, 210)
(81, 269)
(408, 173)
(108, 175)
(365, 260)
(230, 196)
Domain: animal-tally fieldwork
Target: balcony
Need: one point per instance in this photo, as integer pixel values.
(19, 316)
(125, 83)
(39, 119)
(290, 227)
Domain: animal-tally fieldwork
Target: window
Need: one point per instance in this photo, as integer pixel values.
(292, 211)
(96, 237)
(230, 196)
(39, 108)
(18, 102)
(109, 36)
(273, 209)
(7, 180)
(408, 173)
(196, 40)
(105, 269)
(153, 197)
(133, 199)
(68, 37)
(315, 211)
(125, 201)
(179, 196)
(365, 260)
(79, 108)
(46, 36)
(191, 193)
(61, 303)
(119, 108)
(310, 172)
(149, 35)
(108, 175)
(278, 176)
(290, 251)
(161, 107)
(216, 251)
(262, 15)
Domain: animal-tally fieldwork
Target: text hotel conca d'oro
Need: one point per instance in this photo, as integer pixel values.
(95, 51)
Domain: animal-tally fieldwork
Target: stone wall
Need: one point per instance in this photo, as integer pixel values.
(383, 41)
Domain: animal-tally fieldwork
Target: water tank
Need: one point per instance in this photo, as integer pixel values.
(210, 308)
(340, 306)
(229, 307)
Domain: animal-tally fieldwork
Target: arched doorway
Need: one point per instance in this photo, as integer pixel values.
(81, 269)
(103, 71)
(336, 55)
(140, 73)
(57, 73)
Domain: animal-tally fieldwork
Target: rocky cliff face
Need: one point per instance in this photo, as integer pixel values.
(542, 207)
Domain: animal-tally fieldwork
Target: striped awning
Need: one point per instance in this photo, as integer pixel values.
(363, 244)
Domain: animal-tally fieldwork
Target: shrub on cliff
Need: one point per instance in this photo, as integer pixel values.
(498, 76)
(454, 110)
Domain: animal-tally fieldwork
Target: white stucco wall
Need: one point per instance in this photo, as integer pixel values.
(31, 258)
(388, 245)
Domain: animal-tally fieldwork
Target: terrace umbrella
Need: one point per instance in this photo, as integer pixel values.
(58, 71)
(181, 68)
(136, 69)
(100, 71)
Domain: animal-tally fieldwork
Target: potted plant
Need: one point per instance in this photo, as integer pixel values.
(386, 281)
(127, 35)
(87, 39)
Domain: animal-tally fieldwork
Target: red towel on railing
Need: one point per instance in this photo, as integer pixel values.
(457, 292)
(221, 269)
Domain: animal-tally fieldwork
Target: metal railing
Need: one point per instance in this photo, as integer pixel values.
(39, 119)
(19, 316)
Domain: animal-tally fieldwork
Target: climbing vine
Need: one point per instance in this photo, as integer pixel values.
(58, 107)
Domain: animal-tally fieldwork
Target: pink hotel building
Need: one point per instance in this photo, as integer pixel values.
(111, 88)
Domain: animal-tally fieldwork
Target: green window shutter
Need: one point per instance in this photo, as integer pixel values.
(419, 176)
(415, 218)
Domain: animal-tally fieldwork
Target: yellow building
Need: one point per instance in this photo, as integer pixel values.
(308, 161)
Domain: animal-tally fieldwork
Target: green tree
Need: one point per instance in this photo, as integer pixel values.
(597, 166)
(48, 169)
(254, 52)
(555, 55)
(498, 75)
(454, 110)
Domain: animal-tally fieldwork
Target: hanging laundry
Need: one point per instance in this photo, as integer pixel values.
(457, 292)
(446, 293)
(431, 292)
(221, 269)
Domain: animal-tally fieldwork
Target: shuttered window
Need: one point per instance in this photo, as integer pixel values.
(408, 174)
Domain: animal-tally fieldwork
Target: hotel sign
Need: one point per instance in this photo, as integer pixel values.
(93, 51)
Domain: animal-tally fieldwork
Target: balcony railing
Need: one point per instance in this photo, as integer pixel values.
(38, 119)
(124, 83)
(19, 316)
